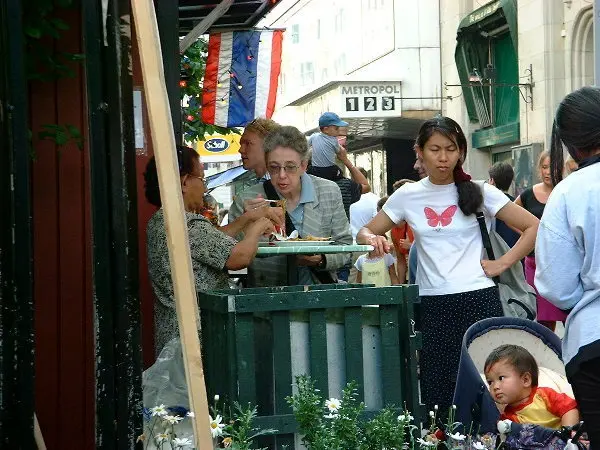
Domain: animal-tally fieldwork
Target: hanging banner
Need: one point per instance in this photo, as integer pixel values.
(241, 77)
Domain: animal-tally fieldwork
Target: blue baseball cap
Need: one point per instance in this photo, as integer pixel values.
(328, 119)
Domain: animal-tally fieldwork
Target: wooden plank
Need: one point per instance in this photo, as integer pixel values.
(390, 352)
(177, 234)
(204, 25)
(411, 341)
(318, 350)
(246, 365)
(354, 348)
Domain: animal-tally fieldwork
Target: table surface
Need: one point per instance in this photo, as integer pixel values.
(312, 249)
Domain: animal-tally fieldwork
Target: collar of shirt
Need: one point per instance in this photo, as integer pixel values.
(307, 190)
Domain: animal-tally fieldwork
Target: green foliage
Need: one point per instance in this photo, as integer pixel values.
(328, 428)
(193, 66)
(44, 63)
(239, 433)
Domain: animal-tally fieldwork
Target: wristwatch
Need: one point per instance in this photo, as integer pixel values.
(323, 263)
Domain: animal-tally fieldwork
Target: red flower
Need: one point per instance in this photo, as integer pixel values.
(182, 83)
(440, 435)
(190, 118)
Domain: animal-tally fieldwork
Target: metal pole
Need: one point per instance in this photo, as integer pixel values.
(597, 42)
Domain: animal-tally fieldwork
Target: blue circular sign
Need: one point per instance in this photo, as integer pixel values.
(216, 145)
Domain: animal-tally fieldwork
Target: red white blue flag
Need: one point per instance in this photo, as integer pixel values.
(241, 76)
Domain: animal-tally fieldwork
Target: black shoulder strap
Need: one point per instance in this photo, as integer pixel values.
(272, 195)
(485, 237)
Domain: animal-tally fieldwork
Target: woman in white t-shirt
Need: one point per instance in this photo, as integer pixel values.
(455, 281)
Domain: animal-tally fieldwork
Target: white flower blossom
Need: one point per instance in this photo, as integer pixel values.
(458, 437)
(172, 419)
(405, 417)
(160, 410)
(182, 442)
(333, 404)
(216, 427)
(161, 437)
(431, 414)
(425, 443)
(217, 397)
(504, 426)
(478, 446)
(331, 416)
(454, 407)
(191, 414)
(435, 407)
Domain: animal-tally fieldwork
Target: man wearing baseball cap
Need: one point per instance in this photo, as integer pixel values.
(325, 146)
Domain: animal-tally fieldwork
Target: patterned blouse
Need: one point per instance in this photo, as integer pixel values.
(210, 249)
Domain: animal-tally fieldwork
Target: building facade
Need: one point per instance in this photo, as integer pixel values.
(515, 60)
(374, 62)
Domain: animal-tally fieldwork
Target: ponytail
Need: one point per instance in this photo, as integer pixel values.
(470, 196)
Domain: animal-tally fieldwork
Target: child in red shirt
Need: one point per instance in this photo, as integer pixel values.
(512, 375)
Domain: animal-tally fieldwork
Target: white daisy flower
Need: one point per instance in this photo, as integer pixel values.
(191, 414)
(216, 427)
(478, 446)
(425, 443)
(172, 419)
(405, 417)
(458, 437)
(333, 404)
(161, 437)
(182, 442)
(160, 410)
(217, 397)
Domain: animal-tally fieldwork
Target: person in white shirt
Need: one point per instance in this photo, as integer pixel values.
(377, 270)
(455, 281)
(362, 212)
(567, 251)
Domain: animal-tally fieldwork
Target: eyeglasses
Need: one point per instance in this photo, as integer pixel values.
(200, 178)
(275, 169)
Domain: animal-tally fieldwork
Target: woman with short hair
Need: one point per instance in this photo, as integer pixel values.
(313, 207)
(213, 250)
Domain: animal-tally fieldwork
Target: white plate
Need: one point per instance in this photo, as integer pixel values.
(293, 243)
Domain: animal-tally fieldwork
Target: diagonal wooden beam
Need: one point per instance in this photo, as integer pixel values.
(163, 140)
(204, 25)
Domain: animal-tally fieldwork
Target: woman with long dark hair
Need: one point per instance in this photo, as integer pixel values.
(568, 247)
(455, 281)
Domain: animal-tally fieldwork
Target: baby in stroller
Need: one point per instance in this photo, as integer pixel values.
(525, 401)
(512, 375)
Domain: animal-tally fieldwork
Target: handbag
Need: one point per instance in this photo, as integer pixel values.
(517, 296)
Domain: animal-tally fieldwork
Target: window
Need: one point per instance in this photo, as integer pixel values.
(318, 28)
(295, 34)
(307, 74)
(339, 21)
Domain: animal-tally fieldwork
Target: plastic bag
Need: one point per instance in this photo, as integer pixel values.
(164, 382)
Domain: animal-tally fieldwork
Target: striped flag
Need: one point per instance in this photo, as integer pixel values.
(240, 81)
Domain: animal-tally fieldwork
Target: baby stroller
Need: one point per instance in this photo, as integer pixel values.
(474, 404)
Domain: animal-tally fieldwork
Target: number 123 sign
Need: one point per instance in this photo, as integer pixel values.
(370, 99)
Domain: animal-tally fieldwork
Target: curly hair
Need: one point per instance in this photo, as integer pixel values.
(289, 137)
(186, 159)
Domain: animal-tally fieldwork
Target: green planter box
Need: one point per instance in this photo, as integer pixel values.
(255, 341)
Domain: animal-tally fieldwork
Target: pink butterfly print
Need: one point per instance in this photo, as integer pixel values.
(445, 219)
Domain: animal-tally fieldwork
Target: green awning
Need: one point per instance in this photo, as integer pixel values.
(471, 47)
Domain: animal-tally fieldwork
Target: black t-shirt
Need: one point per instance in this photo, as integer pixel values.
(351, 192)
(533, 205)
